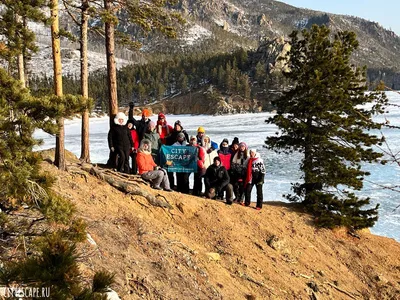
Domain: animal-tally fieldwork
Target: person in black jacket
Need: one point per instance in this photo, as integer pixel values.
(142, 124)
(216, 181)
(172, 138)
(120, 142)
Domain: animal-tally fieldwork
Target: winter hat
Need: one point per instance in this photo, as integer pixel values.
(193, 138)
(201, 130)
(254, 151)
(131, 122)
(146, 112)
(161, 116)
(217, 158)
(235, 140)
(178, 123)
(122, 116)
(152, 124)
(180, 135)
(243, 144)
(145, 142)
(225, 140)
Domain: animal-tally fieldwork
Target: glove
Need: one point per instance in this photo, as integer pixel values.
(112, 149)
(131, 104)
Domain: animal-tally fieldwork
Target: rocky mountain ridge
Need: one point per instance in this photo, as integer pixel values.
(224, 25)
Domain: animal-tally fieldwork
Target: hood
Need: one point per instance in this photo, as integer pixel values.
(120, 115)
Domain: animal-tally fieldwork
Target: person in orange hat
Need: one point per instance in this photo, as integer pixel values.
(143, 124)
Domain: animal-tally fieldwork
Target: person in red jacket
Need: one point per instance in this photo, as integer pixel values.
(201, 170)
(149, 170)
(224, 154)
(135, 139)
(254, 176)
(163, 128)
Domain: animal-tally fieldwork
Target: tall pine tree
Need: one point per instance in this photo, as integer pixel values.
(325, 115)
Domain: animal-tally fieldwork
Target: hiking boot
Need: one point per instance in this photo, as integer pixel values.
(168, 190)
(157, 188)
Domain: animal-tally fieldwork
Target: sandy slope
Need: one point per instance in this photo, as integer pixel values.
(275, 253)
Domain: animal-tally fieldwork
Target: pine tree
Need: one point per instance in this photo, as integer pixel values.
(325, 116)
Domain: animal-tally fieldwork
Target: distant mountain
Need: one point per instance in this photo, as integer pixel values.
(224, 25)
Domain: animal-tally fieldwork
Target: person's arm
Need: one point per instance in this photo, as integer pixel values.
(130, 113)
(110, 141)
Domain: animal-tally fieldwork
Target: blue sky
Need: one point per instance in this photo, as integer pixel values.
(385, 12)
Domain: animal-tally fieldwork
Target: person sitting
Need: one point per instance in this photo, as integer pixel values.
(149, 170)
(217, 180)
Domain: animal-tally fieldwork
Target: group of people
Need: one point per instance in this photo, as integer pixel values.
(228, 170)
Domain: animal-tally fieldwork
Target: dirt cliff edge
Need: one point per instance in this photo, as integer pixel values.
(204, 249)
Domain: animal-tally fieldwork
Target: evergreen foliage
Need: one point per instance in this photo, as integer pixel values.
(53, 259)
(20, 115)
(325, 115)
(19, 39)
(55, 266)
(158, 79)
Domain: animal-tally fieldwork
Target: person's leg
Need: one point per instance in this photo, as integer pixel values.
(198, 184)
(165, 181)
(171, 179)
(127, 169)
(121, 160)
(229, 193)
(247, 201)
(134, 166)
(185, 183)
(241, 190)
(260, 197)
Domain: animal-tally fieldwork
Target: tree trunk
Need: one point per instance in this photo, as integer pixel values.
(85, 153)
(111, 68)
(59, 160)
(308, 164)
(20, 58)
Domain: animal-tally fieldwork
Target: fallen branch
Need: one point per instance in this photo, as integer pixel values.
(125, 183)
(340, 290)
(247, 277)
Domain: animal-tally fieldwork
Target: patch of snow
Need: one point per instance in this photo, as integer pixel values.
(196, 33)
(42, 62)
(301, 24)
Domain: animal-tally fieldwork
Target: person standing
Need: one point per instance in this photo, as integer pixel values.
(163, 129)
(198, 176)
(152, 135)
(224, 154)
(182, 179)
(238, 171)
(135, 139)
(120, 142)
(255, 176)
